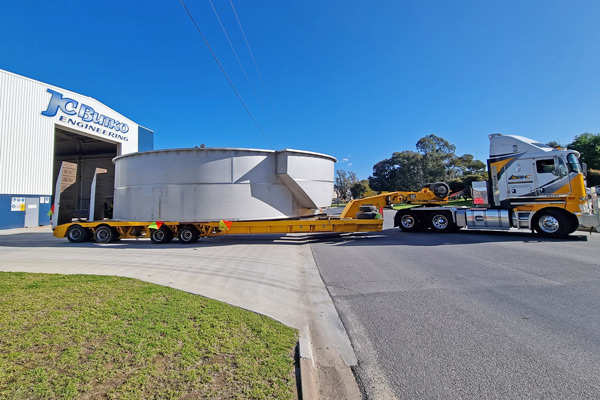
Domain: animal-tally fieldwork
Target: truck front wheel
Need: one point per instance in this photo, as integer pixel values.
(552, 224)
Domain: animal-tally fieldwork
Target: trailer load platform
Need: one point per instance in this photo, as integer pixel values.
(164, 231)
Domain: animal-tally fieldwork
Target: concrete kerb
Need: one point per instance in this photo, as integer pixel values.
(272, 275)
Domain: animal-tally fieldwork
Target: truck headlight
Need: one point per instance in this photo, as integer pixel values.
(584, 208)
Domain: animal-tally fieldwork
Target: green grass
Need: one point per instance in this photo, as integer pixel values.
(82, 336)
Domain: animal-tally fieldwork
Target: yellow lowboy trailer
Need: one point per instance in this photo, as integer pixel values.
(164, 232)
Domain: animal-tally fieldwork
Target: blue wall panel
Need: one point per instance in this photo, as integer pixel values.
(145, 139)
(16, 219)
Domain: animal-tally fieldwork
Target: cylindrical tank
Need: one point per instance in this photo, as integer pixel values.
(210, 184)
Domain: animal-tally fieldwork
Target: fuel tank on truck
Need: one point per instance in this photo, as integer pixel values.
(210, 184)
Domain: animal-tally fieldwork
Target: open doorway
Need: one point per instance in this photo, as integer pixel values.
(88, 153)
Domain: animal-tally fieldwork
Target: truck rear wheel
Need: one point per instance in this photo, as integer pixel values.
(552, 224)
(188, 234)
(78, 234)
(105, 234)
(441, 221)
(408, 221)
(161, 236)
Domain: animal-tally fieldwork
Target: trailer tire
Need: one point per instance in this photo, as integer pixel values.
(367, 208)
(441, 221)
(366, 215)
(188, 234)
(551, 224)
(105, 234)
(440, 190)
(78, 234)
(408, 221)
(161, 235)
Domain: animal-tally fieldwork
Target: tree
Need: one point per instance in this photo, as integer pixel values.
(588, 145)
(403, 171)
(555, 145)
(343, 181)
(438, 155)
(360, 188)
(465, 165)
(434, 161)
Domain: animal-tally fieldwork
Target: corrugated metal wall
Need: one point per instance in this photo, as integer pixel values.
(27, 137)
(26, 141)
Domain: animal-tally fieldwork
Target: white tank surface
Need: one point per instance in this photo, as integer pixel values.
(210, 184)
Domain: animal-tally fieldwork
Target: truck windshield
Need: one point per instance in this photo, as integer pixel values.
(573, 162)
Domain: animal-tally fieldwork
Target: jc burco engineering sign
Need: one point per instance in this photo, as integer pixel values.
(83, 116)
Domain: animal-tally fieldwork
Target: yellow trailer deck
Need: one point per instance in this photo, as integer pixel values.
(164, 231)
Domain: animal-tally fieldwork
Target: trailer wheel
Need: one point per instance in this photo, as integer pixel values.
(441, 221)
(552, 224)
(408, 221)
(78, 234)
(105, 234)
(366, 215)
(161, 236)
(188, 234)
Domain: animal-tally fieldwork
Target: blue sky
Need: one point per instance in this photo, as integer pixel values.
(354, 79)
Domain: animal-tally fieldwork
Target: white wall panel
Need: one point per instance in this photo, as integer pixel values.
(27, 136)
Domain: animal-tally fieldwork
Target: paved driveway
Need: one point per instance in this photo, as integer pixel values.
(468, 315)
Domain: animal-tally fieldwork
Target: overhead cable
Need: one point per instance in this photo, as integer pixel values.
(235, 53)
(226, 76)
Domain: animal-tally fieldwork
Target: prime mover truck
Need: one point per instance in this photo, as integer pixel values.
(530, 186)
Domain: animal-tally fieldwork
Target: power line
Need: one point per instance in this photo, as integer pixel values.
(235, 53)
(226, 76)
(254, 61)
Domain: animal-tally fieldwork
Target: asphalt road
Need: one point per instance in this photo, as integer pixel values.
(468, 315)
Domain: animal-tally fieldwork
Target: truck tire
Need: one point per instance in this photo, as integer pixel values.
(551, 224)
(367, 208)
(408, 221)
(188, 234)
(78, 234)
(105, 234)
(441, 221)
(161, 235)
(366, 215)
(440, 189)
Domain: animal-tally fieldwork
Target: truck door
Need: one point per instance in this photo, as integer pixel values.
(521, 179)
(551, 177)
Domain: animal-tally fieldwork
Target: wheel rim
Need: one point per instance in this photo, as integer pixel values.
(158, 235)
(186, 235)
(407, 221)
(549, 224)
(75, 234)
(102, 234)
(439, 221)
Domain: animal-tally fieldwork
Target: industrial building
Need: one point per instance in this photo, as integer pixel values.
(41, 126)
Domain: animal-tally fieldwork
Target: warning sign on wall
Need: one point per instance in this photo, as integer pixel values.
(17, 204)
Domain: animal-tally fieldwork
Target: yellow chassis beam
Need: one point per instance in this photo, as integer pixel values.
(130, 229)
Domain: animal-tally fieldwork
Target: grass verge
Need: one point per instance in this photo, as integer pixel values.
(86, 336)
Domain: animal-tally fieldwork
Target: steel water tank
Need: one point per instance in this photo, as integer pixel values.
(210, 184)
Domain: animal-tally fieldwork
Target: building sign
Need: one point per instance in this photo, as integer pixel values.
(17, 204)
(84, 117)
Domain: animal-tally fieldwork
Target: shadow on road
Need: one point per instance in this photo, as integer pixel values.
(387, 237)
